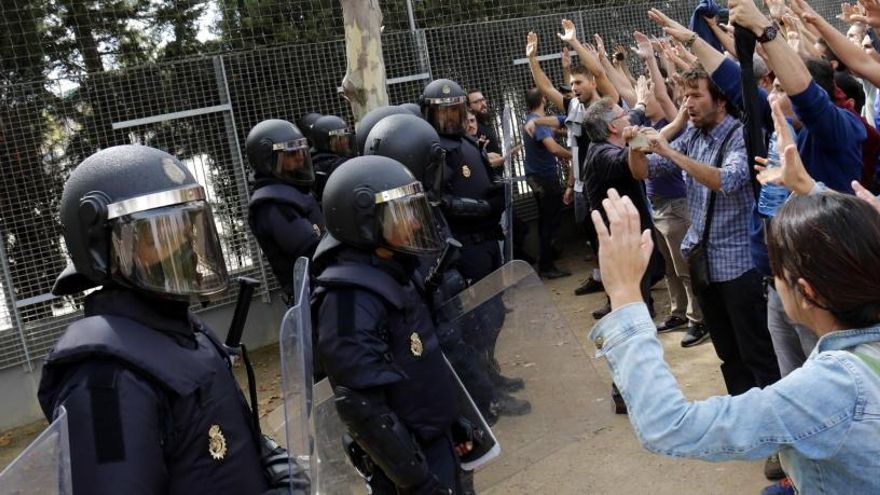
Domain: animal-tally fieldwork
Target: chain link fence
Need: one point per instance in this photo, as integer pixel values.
(192, 77)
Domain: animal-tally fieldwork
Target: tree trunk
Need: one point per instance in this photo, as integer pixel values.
(364, 81)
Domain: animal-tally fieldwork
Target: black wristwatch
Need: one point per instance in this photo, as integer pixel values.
(769, 33)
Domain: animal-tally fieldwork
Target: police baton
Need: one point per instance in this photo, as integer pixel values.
(246, 286)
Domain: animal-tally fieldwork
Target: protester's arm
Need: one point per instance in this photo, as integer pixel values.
(851, 55)
(545, 86)
(732, 174)
(709, 57)
(678, 124)
(751, 425)
(723, 36)
(565, 59)
(588, 60)
(646, 52)
(557, 150)
(619, 79)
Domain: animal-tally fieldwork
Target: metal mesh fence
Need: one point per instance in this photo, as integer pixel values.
(192, 77)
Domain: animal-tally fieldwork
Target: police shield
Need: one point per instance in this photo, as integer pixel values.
(510, 319)
(312, 429)
(44, 466)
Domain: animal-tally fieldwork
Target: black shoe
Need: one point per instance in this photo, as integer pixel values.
(671, 323)
(507, 384)
(589, 286)
(697, 334)
(773, 469)
(507, 405)
(553, 272)
(601, 312)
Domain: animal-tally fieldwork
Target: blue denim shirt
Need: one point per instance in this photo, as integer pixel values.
(823, 418)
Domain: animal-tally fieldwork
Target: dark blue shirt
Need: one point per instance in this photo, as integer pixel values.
(539, 160)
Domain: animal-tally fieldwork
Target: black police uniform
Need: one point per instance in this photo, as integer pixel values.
(287, 222)
(472, 205)
(375, 336)
(153, 406)
(325, 163)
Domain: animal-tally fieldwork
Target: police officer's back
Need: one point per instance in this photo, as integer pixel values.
(152, 403)
(376, 340)
(282, 213)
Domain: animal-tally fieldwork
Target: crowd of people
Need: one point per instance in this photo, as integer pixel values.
(740, 167)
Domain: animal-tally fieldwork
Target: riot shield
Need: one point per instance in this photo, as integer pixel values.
(44, 466)
(509, 174)
(295, 346)
(510, 318)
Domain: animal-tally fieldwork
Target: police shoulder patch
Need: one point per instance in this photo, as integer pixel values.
(415, 345)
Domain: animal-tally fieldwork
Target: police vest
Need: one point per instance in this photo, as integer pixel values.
(418, 383)
(199, 398)
(293, 204)
(468, 176)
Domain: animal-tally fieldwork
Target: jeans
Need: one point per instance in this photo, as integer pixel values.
(736, 313)
(671, 220)
(548, 196)
(792, 343)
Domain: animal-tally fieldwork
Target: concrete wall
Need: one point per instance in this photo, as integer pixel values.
(18, 386)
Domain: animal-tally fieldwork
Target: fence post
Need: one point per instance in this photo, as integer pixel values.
(9, 297)
(235, 151)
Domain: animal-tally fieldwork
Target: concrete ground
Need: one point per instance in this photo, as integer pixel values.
(603, 458)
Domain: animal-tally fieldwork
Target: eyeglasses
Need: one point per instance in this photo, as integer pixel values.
(619, 116)
(479, 100)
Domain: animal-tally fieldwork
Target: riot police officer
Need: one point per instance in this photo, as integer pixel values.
(332, 144)
(471, 202)
(372, 118)
(305, 123)
(148, 388)
(415, 144)
(283, 214)
(376, 340)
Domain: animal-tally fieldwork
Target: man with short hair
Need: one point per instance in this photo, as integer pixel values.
(586, 80)
(542, 174)
(733, 302)
(478, 104)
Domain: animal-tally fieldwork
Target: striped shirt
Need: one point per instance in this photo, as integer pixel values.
(728, 251)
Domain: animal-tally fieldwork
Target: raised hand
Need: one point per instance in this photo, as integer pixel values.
(803, 10)
(776, 8)
(746, 14)
(531, 44)
(644, 88)
(872, 13)
(568, 33)
(566, 58)
(791, 172)
(644, 48)
(670, 27)
(600, 46)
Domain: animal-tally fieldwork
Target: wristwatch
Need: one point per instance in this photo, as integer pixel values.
(769, 33)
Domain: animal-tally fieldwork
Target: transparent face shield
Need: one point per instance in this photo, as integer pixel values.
(342, 142)
(448, 115)
(406, 221)
(293, 163)
(171, 250)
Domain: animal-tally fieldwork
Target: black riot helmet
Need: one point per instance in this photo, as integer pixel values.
(412, 108)
(135, 216)
(372, 118)
(444, 106)
(414, 143)
(374, 201)
(331, 134)
(306, 122)
(277, 148)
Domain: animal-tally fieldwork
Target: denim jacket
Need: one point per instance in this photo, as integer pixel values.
(823, 418)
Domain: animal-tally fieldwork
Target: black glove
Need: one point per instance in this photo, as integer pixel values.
(280, 470)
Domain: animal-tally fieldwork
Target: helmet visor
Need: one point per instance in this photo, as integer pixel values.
(406, 221)
(173, 251)
(342, 142)
(293, 163)
(447, 115)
